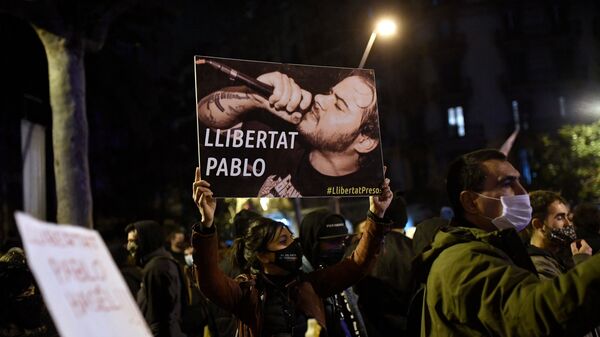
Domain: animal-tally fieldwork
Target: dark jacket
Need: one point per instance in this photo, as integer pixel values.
(385, 294)
(160, 296)
(549, 266)
(546, 264)
(243, 297)
(341, 310)
(483, 284)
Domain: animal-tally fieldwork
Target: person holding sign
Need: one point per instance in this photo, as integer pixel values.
(273, 297)
(340, 130)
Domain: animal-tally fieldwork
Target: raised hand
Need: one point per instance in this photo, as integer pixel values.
(580, 247)
(379, 203)
(288, 99)
(203, 197)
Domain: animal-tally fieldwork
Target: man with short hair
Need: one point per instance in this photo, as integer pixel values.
(551, 235)
(341, 129)
(552, 248)
(480, 280)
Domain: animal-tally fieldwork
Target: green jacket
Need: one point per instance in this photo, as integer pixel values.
(483, 284)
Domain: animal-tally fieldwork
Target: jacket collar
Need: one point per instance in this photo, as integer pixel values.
(506, 240)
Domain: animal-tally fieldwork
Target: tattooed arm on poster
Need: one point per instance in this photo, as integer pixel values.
(226, 108)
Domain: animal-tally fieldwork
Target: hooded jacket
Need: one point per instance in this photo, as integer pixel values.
(160, 295)
(483, 284)
(243, 298)
(309, 232)
(346, 301)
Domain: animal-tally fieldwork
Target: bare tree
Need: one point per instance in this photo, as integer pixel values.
(68, 29)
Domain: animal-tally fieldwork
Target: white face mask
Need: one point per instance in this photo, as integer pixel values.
(516, 212)
(189, 260)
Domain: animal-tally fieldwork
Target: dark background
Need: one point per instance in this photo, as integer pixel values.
(479, 55)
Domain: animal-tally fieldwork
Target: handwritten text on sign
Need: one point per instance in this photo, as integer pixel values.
(81, 284)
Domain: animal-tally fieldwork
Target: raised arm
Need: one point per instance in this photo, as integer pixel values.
(350, 270)
(219, 288)
(226, 108)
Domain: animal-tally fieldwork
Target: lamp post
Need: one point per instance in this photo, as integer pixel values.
(384, 27)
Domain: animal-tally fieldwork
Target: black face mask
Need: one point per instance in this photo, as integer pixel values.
(330, 257)
(563, 236)
(289, 258)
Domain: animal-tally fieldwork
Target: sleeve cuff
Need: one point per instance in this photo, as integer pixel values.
(198, 228)
(579, 258)
(383, 222)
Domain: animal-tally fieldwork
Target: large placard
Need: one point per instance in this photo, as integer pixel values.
(81, 284)
(282, 130)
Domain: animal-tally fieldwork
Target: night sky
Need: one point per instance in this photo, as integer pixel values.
(140, 92)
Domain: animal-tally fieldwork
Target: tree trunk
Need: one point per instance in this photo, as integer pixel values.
(69, 127)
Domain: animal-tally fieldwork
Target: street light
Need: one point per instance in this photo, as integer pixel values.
(385, 27)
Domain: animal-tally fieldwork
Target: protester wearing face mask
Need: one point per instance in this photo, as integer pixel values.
(188, 257)
(553, 246)
(162, 293)
(324, 235)
(553, 234)
(273, 297)
(479, 278)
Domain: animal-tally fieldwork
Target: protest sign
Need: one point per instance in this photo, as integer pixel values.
(281, 130)
(81, 285)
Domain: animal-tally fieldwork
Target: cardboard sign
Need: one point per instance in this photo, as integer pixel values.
(81, 284)
(281, 130)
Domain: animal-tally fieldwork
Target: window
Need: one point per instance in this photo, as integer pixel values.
(456, 121)
(561, 105)
(520, 111)
(516, 114)
(526, 173)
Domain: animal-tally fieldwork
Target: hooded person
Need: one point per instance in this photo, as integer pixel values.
(323, 235)
(161, 294)
(22, 312)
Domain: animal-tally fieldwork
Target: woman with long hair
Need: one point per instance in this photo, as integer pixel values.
(272, 296)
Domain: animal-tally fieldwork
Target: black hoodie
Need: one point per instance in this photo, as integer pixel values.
(161, 293)
(309, 232)
(341, 310)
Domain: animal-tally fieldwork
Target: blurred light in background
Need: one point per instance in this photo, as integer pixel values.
(386, 27)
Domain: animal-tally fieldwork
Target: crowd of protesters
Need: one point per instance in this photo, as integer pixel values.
(501, 262)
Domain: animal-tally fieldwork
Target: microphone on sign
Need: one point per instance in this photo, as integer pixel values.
(262, 88)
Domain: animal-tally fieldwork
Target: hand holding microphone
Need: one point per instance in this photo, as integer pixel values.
(278, 93)
(288, 100)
